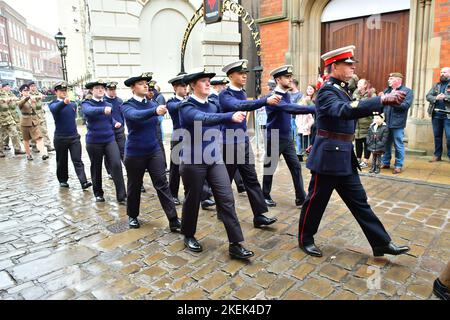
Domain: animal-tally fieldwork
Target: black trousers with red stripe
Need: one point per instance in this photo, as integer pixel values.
(353, 194)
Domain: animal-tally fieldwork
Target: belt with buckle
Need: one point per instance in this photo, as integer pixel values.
(336, 136)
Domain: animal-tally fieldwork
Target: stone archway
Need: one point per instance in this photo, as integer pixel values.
(161, 27)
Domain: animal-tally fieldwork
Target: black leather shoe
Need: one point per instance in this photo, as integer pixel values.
(86, 185)
(50, 149)
(7, 148)
(207, 204)
(262, 220)
(45, 157)
(143, 190)
(270, 203)
(391, 248)
(239, 252)
(64, 185)
(175, 225)
(122, 202)
(30, 158)
(18, 152)
(441, 291)
(99, 199)
(133, 223)
(176, 201)
(192, 244)
(311, 250)
(299, 203)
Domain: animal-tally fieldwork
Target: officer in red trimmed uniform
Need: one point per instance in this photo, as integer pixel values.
(332, 161)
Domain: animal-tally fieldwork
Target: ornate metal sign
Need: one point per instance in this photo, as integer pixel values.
(230, 6)
(213, 11)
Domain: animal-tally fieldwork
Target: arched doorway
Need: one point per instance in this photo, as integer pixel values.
(379, 32)
(162, 24)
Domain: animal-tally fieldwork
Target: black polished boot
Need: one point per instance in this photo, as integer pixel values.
(262, 220)
(239, 252)
(175, 225)
(391, 248)
(311, 249)
(192, 244)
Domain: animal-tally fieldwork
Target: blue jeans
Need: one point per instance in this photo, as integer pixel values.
(440, 124)
(396, 138)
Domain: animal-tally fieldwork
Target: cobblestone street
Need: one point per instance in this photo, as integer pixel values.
(56, 244)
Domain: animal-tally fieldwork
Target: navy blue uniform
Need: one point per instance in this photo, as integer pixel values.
(173, 105)
(67, 139)
(202, 160)
(279, 118)
(333, 164)
(237, 152)
(100, 143)
(143, 152)
(120, 132)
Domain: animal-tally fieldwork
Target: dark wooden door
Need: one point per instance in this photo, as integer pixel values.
(381, 48)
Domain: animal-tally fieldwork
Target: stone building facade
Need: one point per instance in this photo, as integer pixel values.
(126, 37)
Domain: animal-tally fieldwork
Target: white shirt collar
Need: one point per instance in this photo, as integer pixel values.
(278, 89)
(60, 99)
(214, 92)
(98, 100)
(198, 99)
(109, 97)
(179, 98)
(135, 97)
(234, 88)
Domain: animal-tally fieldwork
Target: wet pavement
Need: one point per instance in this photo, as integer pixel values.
(56, 244)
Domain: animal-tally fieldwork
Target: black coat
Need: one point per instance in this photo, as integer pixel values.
(376, 139)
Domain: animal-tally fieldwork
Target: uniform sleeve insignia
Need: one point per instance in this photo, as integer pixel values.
(354, 104)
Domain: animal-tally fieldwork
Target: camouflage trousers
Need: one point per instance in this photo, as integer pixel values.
(8, 132)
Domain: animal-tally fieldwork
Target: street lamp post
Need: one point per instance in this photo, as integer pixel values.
(61, 44)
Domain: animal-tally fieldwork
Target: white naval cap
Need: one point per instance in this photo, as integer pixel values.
(282, 71)
(238, 66)
(344, 54)
(221, 80)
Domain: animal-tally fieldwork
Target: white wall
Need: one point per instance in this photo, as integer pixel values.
(346, 9)
(132, 36)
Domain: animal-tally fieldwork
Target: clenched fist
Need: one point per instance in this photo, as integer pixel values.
(108, 110)
(239, 117)
(273, 100)
(161, 110)
(395, 98)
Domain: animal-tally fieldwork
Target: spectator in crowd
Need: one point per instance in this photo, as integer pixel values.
(396, 120)
(439, 99)
(296, 95)
(376, 140)
(353, 83)
(305, 123)
(364, 91)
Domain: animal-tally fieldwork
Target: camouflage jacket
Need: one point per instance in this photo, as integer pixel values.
(6, 117)
(38, 97)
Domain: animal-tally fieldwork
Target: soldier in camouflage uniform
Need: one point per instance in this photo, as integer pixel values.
(12, 101)
(8, 126)
(38, 97)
